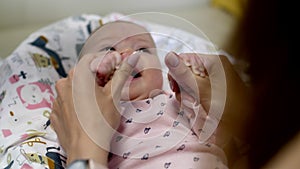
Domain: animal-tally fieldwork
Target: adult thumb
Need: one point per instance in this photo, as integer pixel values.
(121, 75)
(182, 75)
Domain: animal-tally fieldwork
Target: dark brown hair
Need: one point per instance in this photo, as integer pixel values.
(264, 39)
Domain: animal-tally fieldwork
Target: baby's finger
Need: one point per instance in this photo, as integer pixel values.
(199, 66)
(105, 65)
(194, 60)
(98, 57)
(186, 59)
(110, 62)
(195, 65)
(121, 75)
(117, 59)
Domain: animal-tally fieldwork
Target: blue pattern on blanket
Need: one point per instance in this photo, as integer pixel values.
(27, 92)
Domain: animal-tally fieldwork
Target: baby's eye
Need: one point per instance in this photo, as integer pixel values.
(108, 49)
(143, 50)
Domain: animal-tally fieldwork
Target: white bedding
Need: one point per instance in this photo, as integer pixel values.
(28, 75)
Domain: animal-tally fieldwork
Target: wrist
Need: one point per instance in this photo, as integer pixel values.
(95, 165)
(79, 164)
(87, 149)
(85, 164)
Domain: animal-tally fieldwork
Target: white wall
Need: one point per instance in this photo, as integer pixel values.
(23, 12)
(19, 18)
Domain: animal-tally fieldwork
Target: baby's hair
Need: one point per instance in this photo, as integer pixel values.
(108, 23)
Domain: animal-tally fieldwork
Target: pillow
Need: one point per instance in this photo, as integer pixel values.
(28, 75)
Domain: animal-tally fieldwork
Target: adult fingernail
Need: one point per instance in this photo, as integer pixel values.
(133, 59)
(172, 59)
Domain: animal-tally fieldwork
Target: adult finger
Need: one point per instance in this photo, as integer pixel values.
(182, 75)
(121, 75)
(60, 87)
(84, 79)
(216, 73)
(85, 93)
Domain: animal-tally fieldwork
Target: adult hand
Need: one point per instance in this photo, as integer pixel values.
(194, 92)
(229, 97)
(84, 114)
(192, 71)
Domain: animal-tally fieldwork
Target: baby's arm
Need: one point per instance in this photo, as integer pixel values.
(105, 65)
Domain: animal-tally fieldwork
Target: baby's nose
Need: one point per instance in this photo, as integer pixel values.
(126, 52)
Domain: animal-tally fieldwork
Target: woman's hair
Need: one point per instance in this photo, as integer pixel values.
(265, 40)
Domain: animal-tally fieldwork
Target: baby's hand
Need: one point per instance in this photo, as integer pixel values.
(105, 66)
(195, 61)
(184, 86)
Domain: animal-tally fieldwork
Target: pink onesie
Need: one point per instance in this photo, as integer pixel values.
(156, 133)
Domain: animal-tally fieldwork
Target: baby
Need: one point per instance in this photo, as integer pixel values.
(156, 130)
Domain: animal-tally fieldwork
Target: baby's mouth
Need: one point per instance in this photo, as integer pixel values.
(136, 74)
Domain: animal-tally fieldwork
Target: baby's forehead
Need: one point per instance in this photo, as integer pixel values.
(113, 33)
(124, 24)
(119, 29)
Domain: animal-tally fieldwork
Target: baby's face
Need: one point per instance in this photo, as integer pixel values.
(126, 38)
